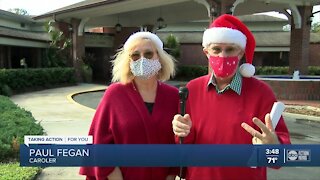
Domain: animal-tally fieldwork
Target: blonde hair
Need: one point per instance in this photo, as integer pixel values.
(121, 64)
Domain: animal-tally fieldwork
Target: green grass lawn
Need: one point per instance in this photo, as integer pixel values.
(10, 171)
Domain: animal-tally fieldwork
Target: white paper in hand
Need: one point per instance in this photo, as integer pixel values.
(275, 114)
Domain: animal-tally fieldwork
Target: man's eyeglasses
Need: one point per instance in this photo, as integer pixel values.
(227, 49)
(137, 55)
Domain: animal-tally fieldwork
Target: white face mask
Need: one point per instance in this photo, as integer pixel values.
(145, 68)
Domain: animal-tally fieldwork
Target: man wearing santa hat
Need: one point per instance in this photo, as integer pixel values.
(229, 106)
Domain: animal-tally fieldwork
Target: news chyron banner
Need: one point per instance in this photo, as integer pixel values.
(79, 151)
(42, 150)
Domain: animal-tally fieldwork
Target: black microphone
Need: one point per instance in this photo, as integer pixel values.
(183, 96)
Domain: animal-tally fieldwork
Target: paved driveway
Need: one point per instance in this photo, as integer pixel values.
(60, 115)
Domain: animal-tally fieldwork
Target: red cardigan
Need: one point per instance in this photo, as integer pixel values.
(123, 118)
(216, 119)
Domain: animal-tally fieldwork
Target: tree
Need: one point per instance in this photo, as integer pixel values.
(19, 11)
(57, 54)
(286, 27)
(315, 27)
(88, 62)
(172, 46)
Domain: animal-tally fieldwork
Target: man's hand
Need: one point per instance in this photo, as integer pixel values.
(268, 135)
(181, 125)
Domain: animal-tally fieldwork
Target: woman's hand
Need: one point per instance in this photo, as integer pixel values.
(171, 177)
(115, 174)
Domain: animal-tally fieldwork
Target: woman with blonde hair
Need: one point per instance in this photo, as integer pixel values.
(137, 108)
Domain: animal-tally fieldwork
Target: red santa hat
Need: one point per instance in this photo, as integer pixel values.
(229, 29)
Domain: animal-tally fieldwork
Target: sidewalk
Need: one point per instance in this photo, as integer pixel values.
(60, 115)
(315, 104)
(310, 105)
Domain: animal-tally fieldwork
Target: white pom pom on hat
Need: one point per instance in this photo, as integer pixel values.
(229, 29)
(144, 34)
(247, 70)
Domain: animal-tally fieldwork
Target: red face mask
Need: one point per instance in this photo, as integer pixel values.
(223, 66)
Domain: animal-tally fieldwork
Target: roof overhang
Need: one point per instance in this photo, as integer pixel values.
(137, 13)
(132, 13)
(240, 7)
(11, 41)
(15, 17)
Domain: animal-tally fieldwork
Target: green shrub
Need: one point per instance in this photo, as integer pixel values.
(187, 73)
(15, 123)
(14, 171)
(314, 70)
(5, 90)
(271, 70)
(21, 80)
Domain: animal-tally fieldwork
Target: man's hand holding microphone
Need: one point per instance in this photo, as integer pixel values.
(181, 123)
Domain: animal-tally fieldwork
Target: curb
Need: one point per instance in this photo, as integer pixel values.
(302, 117)
(70, 96)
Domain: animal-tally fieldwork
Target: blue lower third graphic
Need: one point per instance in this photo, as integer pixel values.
(169, 155)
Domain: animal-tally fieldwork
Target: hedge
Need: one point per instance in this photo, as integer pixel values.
(15, 123)
(187, 73)
(190, 72)
(20, 80)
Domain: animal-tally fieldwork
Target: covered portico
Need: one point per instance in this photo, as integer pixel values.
(151, 15)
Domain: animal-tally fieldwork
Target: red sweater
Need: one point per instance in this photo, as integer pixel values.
(123, 118)
(216, 119)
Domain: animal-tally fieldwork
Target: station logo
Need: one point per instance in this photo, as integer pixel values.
(298, 155)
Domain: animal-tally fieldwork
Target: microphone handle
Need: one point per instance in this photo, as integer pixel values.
(180, 140)
(183, 112)
(183, 93)
(182, 107)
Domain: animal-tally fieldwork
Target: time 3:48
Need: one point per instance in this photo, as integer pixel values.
(272, 151)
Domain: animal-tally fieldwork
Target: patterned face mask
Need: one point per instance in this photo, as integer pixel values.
(223, 66)
(145, 68)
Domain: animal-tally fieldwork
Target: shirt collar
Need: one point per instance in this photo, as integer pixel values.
(235, 85)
